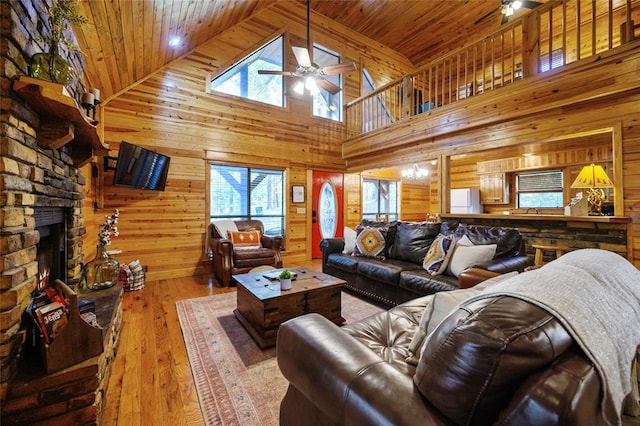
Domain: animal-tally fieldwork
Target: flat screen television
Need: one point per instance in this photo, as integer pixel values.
(138, 167)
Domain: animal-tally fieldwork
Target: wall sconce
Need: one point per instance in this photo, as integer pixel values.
(414, 173)
(594, 178)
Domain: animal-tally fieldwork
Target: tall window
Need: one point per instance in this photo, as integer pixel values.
(248, 193)
(324, 103)
(379, 197)
(539, 189)
(243, 79)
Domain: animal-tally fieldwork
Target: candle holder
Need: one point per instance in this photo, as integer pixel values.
(90, 101)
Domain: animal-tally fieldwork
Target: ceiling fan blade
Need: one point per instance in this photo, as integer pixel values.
(302, 56)
(338, 68)
(531, 4)
(328, 86)
(269, 72)
(505, 19)
(487, 15)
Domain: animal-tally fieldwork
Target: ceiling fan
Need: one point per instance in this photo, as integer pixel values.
(508, 7)
(310, 72)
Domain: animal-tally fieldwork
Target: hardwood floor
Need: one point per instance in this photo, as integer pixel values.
(151, 381)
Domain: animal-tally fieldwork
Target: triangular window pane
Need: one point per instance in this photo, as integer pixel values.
(243, 79)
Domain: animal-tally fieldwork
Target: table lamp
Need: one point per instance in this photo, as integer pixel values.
(595, 179)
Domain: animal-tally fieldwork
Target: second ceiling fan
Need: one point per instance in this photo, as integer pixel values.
(311, 72)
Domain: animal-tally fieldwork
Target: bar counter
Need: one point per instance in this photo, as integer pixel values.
(574, 232)
(535, 217)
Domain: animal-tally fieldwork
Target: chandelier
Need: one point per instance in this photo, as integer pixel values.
(415, 173)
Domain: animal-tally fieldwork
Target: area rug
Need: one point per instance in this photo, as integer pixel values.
(237, 382)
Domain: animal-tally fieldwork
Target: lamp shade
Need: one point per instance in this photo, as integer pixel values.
(592, 176)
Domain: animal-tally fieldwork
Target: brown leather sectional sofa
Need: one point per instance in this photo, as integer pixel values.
(497, 361)
(400, 277)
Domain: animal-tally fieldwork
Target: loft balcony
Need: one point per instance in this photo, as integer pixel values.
(562, 53)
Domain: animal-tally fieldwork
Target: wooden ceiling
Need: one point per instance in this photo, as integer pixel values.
(127, 40)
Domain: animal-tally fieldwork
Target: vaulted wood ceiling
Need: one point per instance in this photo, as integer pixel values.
(128, 39)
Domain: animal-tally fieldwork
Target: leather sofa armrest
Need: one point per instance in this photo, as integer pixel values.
(471, 277)
(274, 243)
(568, 392)
(332, 245)
(221, 246)
(506, 264)
(344, 379)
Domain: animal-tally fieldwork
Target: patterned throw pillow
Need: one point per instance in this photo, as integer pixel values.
(370, 242)
(244, 238)
(435, 262)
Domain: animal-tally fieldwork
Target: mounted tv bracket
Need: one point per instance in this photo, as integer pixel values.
(110, 163)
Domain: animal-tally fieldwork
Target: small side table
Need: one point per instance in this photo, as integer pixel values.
(540, 249)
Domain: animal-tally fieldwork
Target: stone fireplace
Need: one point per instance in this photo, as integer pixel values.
(42, 224)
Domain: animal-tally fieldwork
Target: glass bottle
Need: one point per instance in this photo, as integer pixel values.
(100, 273)
(51, 66)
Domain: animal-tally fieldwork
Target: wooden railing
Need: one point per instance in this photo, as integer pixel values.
(552, 35)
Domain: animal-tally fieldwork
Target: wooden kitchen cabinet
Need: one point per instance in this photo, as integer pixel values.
(494, 188)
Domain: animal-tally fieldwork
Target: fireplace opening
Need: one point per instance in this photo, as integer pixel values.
(52, 248)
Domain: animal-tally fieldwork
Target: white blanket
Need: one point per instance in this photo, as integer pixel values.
(595, 294)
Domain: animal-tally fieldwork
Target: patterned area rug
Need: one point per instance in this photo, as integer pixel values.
(237, 383)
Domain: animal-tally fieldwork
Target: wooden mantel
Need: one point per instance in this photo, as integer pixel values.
(61, 120)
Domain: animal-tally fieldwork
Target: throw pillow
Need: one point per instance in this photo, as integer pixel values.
(413, 240)
(245, 238)
(435, 262)
(349, 240)
(466, 257)
(442, 304)
(370, 242)
(223, 226)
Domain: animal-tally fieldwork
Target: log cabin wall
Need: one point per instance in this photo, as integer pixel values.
(170, 113)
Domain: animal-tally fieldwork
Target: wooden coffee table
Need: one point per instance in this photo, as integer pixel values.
(262, 306)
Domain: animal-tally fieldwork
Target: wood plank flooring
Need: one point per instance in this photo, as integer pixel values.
(151, 381)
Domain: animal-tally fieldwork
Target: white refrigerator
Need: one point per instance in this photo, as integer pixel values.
(465, 200)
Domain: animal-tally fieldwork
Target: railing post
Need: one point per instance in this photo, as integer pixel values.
(531, 44)
(407, 97)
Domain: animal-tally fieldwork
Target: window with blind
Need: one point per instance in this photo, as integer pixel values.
(540, 189)
(557, 60)
(248, 193)
(379, 198)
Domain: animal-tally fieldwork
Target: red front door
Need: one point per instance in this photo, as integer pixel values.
(326, 213)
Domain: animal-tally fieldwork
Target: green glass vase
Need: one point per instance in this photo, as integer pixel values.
(100, 273)
(52, 67)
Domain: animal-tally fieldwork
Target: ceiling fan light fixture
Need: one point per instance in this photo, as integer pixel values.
(517, 4)
(299, 88)
(311, 85)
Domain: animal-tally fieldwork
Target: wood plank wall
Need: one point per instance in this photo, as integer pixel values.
(569, 156)
(484, 123)
(170, 112)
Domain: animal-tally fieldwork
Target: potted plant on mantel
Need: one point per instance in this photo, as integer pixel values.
(285, 280)
(50, 65)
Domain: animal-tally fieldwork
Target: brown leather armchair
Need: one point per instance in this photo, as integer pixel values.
(228, 261)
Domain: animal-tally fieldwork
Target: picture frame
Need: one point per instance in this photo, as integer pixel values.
(297, 194)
